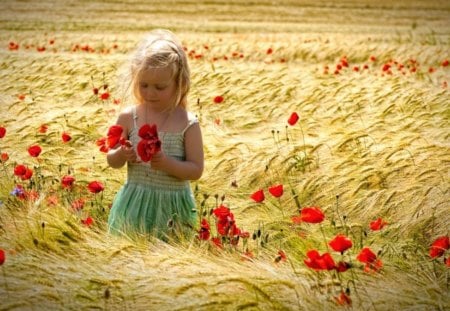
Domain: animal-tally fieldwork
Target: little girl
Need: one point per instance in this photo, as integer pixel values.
(156, 198)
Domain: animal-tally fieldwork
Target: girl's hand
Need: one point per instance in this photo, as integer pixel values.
(128, 152)
(159, 161)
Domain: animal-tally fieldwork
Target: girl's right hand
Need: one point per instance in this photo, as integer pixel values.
(128, 152)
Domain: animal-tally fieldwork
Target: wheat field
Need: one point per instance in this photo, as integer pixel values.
(369, 81)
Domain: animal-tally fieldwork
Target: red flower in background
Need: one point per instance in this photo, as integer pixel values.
(204, 233)
(258, 196)
(319, 262)
(311, 215)
(2, 257)
(43, 129)
(4, 157)
(95, 187)
(366, 255)
(88, 221)
(218, 99)
(340, 243)
(445, 63)
(34, 150)
(343, 299)
(23, 172)
(2, 132)
(276, 191)
(370, 259)
(104, 96)
(377, 224)
(149, 143)
(293, 118)
(65, 137)
(67, 181)
(439, 246)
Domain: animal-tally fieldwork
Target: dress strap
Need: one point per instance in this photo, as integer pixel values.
(192, 119)
(134, 117)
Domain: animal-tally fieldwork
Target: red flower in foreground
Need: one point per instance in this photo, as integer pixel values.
(258, 196)
(276, 191)
(95, 187)
(2, 257)
(319, 262)
(2, 131)
(377, 224)
(67, 181)
(311, 215)
(113, 138)
(34, 150)
(65, 137)
(340, 243)
(149, 143)
(439, 246)
(293, 118)
(218, 99)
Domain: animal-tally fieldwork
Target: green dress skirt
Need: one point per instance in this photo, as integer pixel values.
(151, 201)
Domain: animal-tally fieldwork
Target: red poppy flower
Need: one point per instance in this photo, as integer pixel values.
(65, 137)
(269, 51)
(43, 128)
(221, 212)
(218, 99)
(447, 262)
(67, 181)
(276, 191)
(204, 233)
(311, 215)
(147, 148)
(366, 256)
(340, 243)
(23, 172)
(34, 150)
(319, 262)
(104, 96)
(282, 255)
(293, 118)
(258, 196)
(342, 266)
(4, 157)
(150, 143)
(2, 257)
(343, 299)
(95, 91)
(439, 246)
(377, 224)
(445, 63)
(95, 187)
(2, 132)
(88, 221)
(78, 204)
(113, 137)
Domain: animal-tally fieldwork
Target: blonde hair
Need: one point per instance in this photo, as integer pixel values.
(160, 49)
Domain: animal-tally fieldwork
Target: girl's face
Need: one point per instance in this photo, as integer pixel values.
(157, 87)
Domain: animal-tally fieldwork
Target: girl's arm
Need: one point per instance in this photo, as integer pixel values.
(192, 167)
(121, 154)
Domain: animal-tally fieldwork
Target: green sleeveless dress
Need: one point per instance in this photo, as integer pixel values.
(151, 201)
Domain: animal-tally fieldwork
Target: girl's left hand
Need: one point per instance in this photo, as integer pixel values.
(159, 161)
